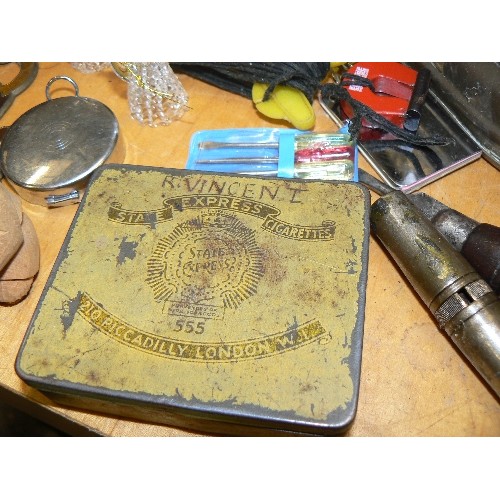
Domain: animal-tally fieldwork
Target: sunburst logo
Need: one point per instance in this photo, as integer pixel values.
(212, 259)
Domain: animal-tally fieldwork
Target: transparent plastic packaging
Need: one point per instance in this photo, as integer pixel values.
(287, 153)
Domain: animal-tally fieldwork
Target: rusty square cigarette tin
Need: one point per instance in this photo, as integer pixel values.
(220, 303)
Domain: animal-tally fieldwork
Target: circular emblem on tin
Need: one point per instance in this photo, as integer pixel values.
(210, 259)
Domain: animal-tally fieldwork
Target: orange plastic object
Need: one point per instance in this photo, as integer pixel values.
(393, 83)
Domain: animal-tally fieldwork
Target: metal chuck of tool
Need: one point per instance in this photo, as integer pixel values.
(461, 301)
(478, 242)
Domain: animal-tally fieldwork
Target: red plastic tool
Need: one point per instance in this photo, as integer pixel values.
(393, 83)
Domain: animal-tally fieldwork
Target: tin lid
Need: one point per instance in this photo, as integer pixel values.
(58, 144)
(223, 303)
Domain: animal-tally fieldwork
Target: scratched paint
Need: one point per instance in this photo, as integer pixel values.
(127, 250)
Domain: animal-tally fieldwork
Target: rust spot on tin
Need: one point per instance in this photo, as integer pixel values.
(308, 387)
(308, 296)
(275, 270)
(93, 377)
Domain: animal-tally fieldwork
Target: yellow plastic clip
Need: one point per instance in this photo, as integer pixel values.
(285, 103)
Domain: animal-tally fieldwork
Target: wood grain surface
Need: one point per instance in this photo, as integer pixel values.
(413, 381)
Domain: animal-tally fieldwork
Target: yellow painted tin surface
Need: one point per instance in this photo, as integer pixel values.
(231, 298)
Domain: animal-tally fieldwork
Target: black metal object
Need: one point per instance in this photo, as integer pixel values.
(470, 93)
(417, 100)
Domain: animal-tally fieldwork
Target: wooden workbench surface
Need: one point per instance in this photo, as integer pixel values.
(413, 381)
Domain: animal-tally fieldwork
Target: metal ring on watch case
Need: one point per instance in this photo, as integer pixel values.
(61, 77)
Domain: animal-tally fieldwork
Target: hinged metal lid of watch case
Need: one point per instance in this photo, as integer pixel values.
(50, 151)
(222, 303)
